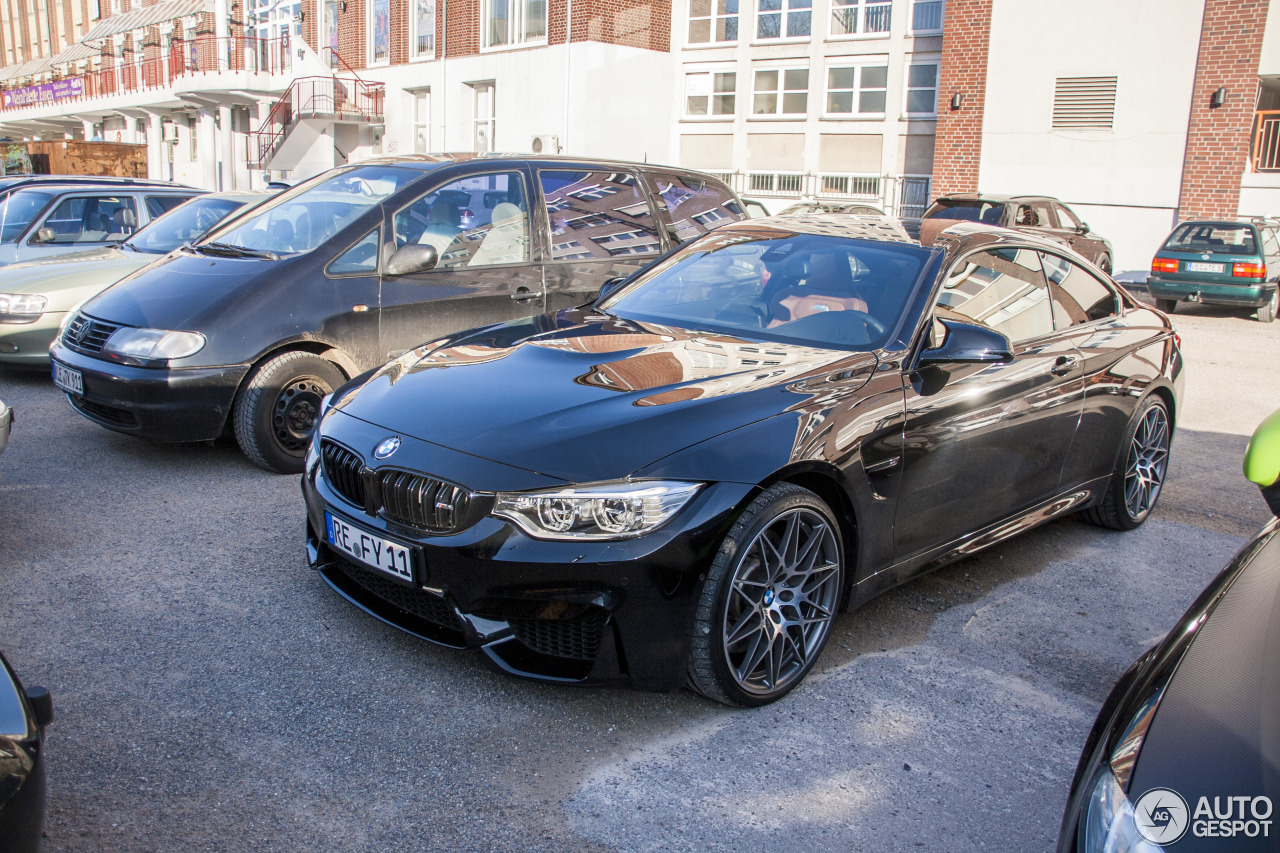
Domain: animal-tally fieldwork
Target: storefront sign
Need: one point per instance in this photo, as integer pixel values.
(30, 95)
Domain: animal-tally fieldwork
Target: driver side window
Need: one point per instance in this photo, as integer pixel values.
(477, 221)
(1003, 289)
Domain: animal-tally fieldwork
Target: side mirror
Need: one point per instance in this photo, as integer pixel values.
(1084, 228)
(415, 257)
(967, 343)
(609, 287)
(1262, 461)
(45, 235)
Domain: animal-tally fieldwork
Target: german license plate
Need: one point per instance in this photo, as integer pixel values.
(71, 381)
(1196, 266)
(373, 551)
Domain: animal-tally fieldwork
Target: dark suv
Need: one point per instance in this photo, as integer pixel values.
(255, 323)
(1035, 214)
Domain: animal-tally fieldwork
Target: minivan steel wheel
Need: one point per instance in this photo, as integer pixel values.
(276, 410)
(769, 599)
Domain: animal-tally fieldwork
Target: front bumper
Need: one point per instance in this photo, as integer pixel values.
(175, 404)
(1253, 295)
(28, 343)
(575, 612)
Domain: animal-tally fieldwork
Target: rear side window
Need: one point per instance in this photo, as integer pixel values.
(1078, 296)
(597, 215)
(695, 206)
(1270, 245)
(91, 219)
(159, 205)
(968, 211)
(1214, 238)
(1004, 289)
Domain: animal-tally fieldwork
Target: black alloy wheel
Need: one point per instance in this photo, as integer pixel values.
(1140, 471)
(275, 412)
(768, 601)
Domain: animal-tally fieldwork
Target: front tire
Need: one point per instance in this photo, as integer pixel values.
(275, 412)
(769, 599)
(1140, 470)
(1267, 312)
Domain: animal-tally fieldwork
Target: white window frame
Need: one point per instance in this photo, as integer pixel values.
(780, 92)
(863, 7)
(416, 55)
(701, 83)
(370, 61)
(517, 25)
(942, 17)
(784, 17)
(714, 19)
(907, 88)
(857, 68)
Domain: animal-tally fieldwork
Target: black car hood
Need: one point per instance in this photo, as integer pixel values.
(1216, 732)
(588, 397)
(184, 291)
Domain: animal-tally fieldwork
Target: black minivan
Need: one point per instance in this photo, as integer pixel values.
(250, 327)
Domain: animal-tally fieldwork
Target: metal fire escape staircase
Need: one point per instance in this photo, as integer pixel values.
(311, 106)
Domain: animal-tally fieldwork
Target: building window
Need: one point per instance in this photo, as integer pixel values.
(1084, 103)
(784, 19)
(712, 21)
(781, 92)
(422, 23)
(379, 32)
(922, 89)
(515, 22)
(926, 16)
(860, 17)
(859, 90)
(711, 93)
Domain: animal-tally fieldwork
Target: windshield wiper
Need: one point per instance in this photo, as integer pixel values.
(228, 251)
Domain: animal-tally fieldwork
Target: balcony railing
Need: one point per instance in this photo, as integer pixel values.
(898, 195)
(185, 59)
(342, 98)
(1266, 141)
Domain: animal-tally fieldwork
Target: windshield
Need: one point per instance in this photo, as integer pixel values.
(184, 224)
(17, 210)
(803, 288)
(1215, 238)
(299, 220)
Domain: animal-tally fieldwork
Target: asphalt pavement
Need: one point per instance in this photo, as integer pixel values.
(212, 693)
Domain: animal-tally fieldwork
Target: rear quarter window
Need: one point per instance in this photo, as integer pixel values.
(694, 205)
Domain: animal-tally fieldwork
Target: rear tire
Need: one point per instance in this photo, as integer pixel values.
(1267, 312)
(1168, 306)
(769, 599)
(275, 411)
(1104, 264)
(1139, 472)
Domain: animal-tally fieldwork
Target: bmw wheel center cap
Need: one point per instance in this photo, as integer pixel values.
(386, 447)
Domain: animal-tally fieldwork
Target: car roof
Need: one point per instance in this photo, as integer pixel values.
(431, 162)
(993, 197)
(13, 181)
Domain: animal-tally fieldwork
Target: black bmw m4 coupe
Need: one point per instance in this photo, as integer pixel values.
(686, 480)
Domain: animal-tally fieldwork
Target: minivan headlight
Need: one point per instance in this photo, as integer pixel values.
(596, 511)
(21, 307)
(151, 347)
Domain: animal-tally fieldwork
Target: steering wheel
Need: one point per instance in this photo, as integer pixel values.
(869, 321)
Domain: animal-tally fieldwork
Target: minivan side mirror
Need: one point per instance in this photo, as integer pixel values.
(415, 257)
(45, 235)
(968, 343)
(610, 286)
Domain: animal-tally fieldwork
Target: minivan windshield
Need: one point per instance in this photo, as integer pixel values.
(17, 210)
(304, 217)
(183, 224)
(808, 289)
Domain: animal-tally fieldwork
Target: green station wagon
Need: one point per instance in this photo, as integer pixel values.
(1219, 263)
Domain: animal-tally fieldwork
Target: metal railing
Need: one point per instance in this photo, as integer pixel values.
(341, 98)
(905, 196)
(185, 59)
(1266, 141)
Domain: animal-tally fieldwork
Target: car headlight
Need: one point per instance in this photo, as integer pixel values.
(151, 347)
(21, 307)
(1109, 825)
(597, 511)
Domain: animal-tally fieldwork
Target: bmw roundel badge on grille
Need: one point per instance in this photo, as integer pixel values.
(386, 447)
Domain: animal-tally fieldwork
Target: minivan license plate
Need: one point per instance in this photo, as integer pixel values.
(1196, 266)
(71, 381)
(373, 551)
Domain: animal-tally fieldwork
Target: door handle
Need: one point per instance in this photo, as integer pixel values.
(1064, 365)
(524, 295)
